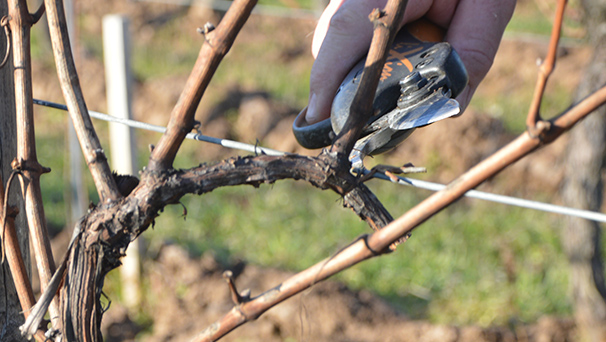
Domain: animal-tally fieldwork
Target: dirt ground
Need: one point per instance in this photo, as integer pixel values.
(190, 293)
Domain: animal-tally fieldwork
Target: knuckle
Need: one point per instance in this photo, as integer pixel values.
(477, 54)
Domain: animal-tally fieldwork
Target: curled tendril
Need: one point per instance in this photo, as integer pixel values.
(7, 32)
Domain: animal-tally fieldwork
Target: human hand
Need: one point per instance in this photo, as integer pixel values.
(343, 34)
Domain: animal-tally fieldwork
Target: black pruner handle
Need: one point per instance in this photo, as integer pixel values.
(312, 136)
(435, 61)
(416, 48)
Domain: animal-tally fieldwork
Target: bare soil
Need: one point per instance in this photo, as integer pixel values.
(190, 294)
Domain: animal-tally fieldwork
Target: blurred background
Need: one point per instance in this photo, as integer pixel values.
(476, 271)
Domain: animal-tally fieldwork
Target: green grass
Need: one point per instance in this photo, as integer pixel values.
(151, 60)
(48, 143)
(254, 63)
(530, 19)
(513, 113)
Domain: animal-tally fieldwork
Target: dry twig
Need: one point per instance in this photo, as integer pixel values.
(72, 92)
(27, 162)
(385, 28)
(217, 43)
(15, 261)
(535, 125)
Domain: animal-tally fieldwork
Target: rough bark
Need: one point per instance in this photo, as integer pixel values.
(9, 303)
(583, 187)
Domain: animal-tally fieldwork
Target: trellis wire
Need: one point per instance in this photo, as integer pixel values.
(507, 200)
(160, 129)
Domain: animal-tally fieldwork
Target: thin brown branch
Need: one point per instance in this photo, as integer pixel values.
(26, 161)
(373, 245)
(15, 261)
(72, 92)
(251, 310)
(385, 29)
(237, 297)
(522, 146)
(534, 115)
(217, 43)
(15, 258)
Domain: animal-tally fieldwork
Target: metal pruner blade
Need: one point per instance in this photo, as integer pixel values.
(398, 124)
(438, 106)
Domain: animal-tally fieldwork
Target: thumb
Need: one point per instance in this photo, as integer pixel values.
(341, 39)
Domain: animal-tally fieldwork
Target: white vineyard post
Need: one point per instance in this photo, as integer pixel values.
(122, 147)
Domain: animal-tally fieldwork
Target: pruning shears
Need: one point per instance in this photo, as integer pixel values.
(420, 79)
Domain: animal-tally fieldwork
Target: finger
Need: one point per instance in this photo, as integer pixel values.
(477, 41)
(414, 10)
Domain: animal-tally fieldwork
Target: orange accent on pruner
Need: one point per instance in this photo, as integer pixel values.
(426, 31)
(397, 57)
(401, 57)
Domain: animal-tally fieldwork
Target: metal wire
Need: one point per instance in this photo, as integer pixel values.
(518, 202)
(160, 129)
(508, 200)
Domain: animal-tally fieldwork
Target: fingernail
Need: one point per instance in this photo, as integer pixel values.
(311, 116)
